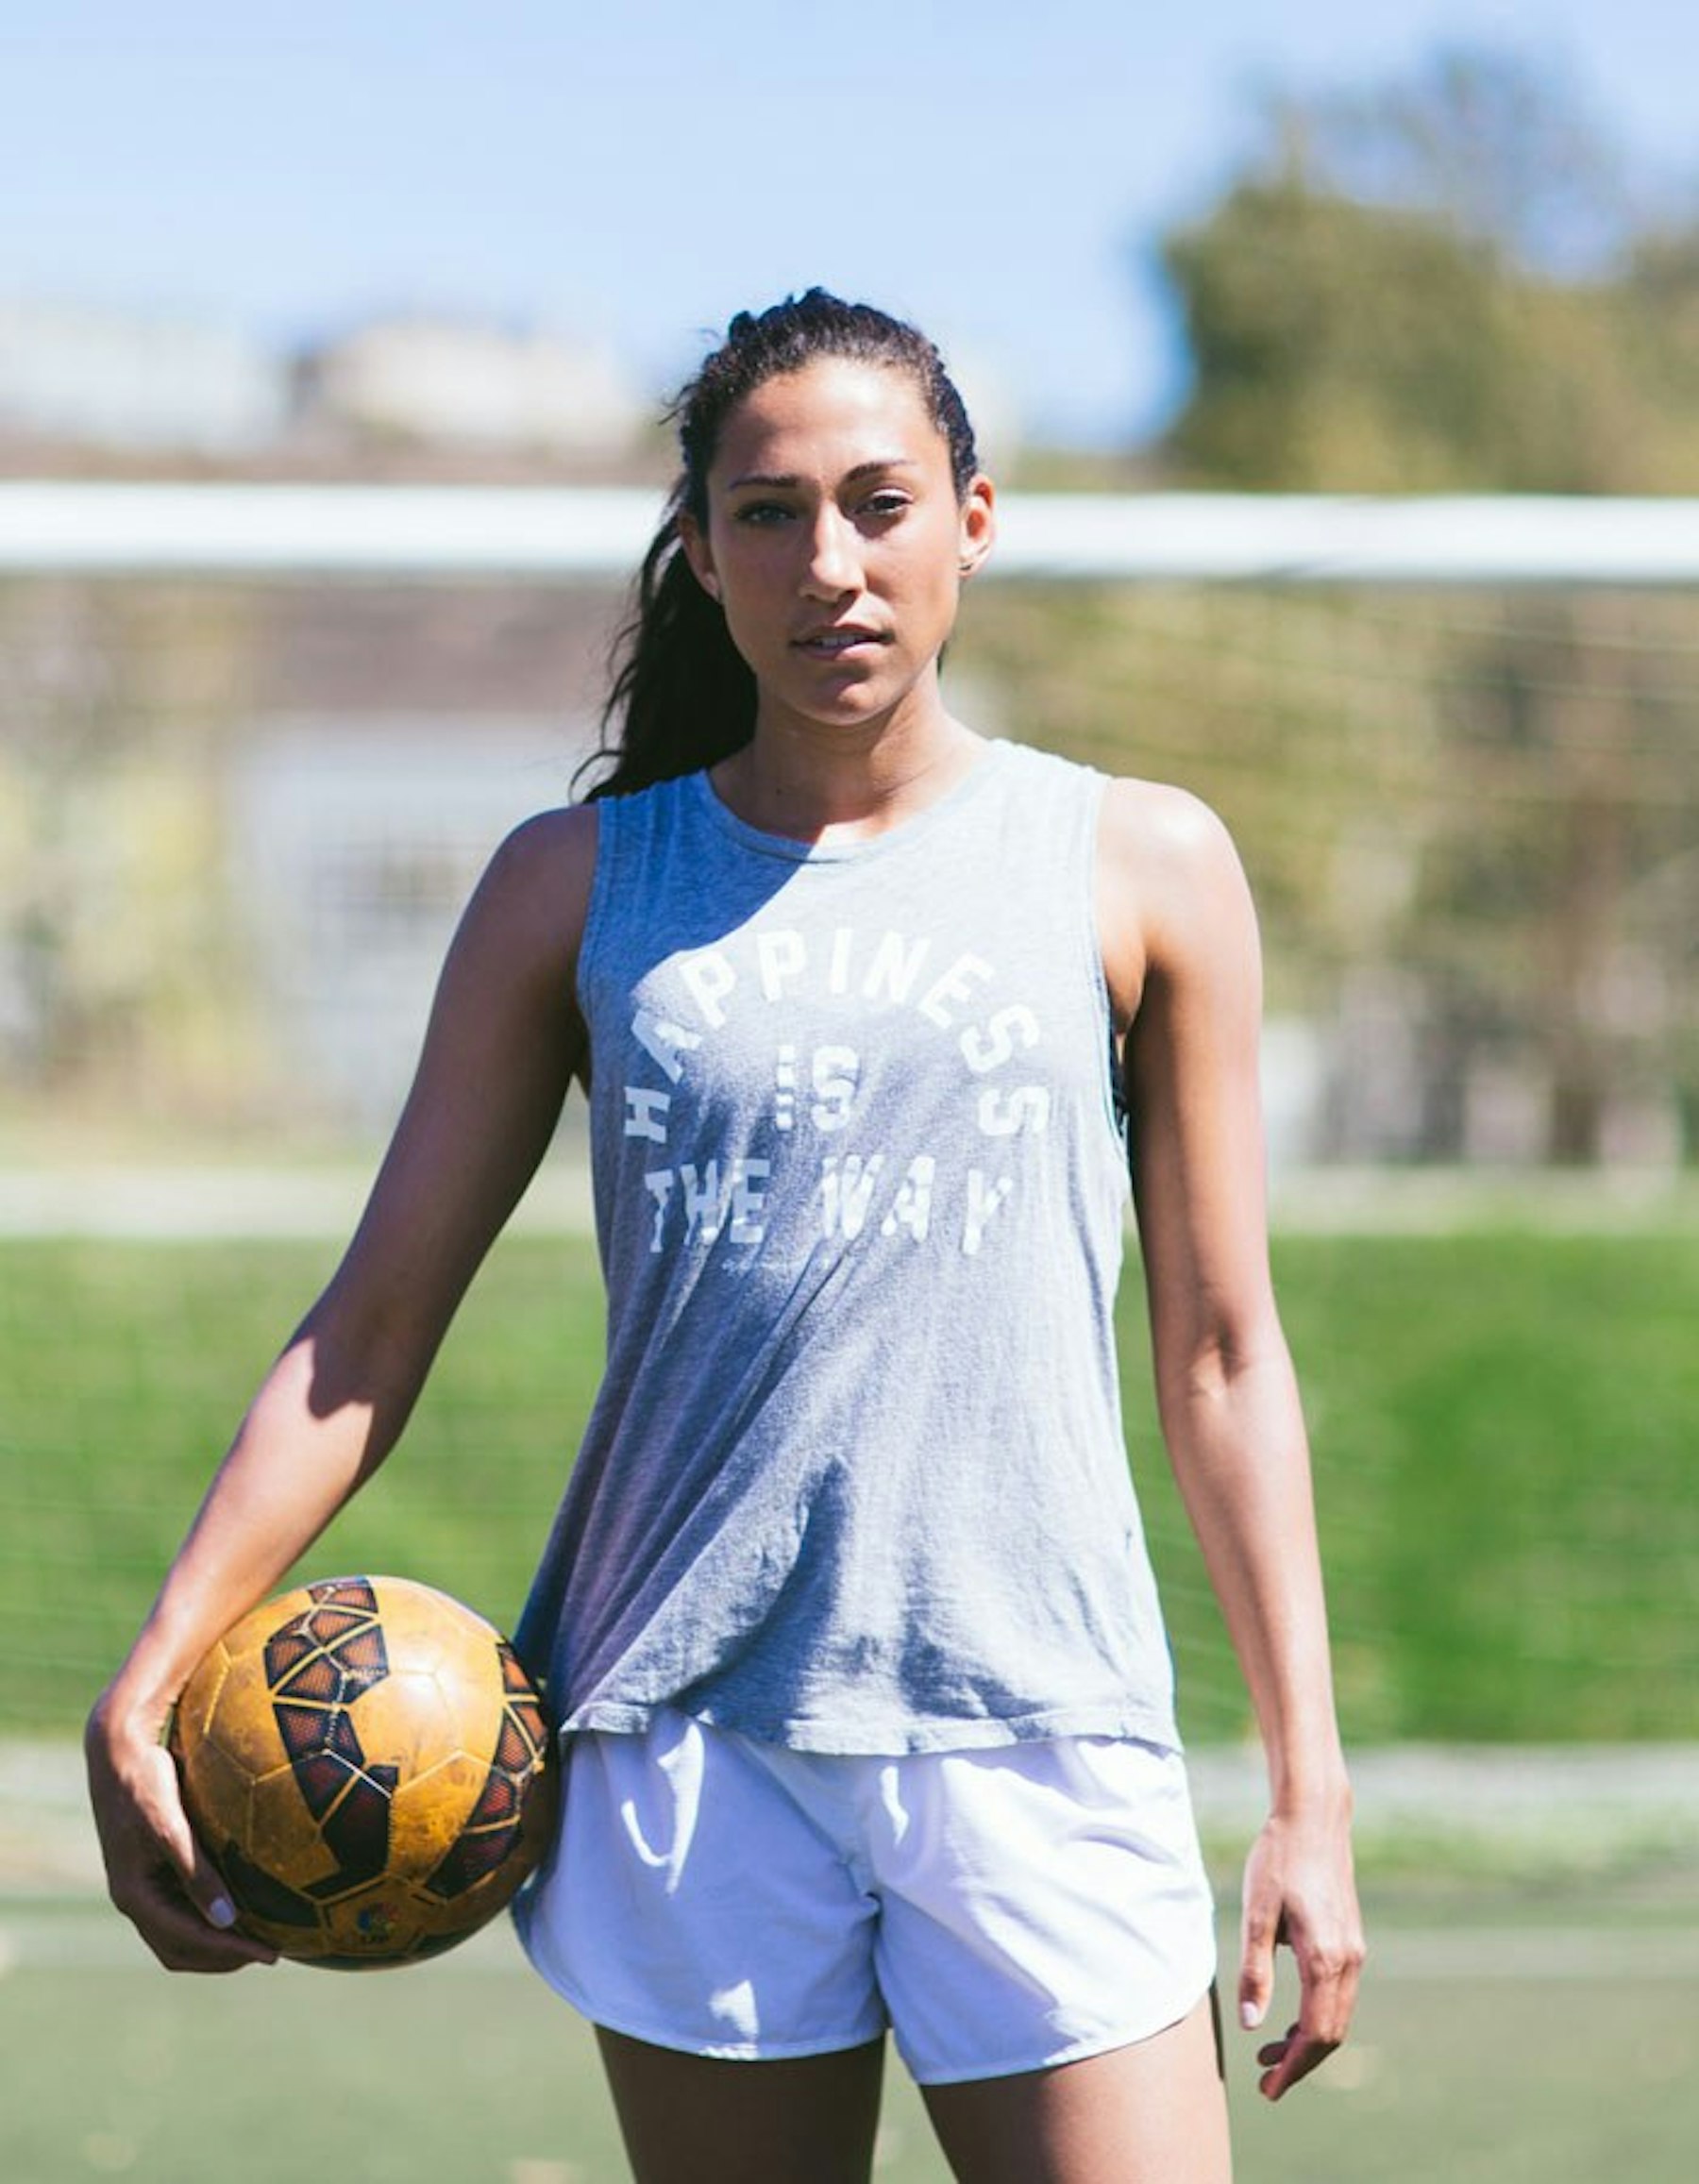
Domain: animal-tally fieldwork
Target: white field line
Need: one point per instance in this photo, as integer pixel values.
(1544, 1797)
(189, 1202)
(1477, 1792)
(92, 1937)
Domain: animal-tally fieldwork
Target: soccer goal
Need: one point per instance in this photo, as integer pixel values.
(256, 743)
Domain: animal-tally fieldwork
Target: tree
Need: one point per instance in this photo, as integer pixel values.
(1447, 284)
(1440, 286)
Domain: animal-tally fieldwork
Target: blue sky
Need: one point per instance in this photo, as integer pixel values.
(997, 168)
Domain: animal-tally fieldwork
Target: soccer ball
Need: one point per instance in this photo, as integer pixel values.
(369, 1769)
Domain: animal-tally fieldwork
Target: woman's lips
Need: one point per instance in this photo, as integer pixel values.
(833, 643)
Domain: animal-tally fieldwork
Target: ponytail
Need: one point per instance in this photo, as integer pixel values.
(681, 697)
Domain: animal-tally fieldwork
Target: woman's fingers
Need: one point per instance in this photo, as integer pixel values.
(157, 1874)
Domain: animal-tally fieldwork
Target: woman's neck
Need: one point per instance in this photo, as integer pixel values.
(815, 784)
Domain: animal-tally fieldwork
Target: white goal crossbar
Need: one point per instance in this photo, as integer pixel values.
(559, 534)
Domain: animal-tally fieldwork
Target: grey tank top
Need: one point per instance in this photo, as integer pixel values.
(855, 1480)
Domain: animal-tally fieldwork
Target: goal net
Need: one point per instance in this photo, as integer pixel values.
(253, 755)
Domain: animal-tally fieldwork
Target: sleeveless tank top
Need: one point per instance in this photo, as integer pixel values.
(855, 1480)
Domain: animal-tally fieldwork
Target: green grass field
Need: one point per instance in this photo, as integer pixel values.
(1502, 1428)
(1495, 2053)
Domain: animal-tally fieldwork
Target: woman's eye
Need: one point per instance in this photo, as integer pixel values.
(884, 505)
(761, 513)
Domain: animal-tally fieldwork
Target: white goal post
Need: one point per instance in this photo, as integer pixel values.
(549, 534)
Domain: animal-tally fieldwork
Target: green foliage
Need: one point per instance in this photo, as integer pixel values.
(1437, 286)
(1468, 819)
(1502, 1429)
(1467, 815)
(1338, 346)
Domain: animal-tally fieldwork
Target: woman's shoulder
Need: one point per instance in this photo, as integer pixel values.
(565, 832)
(1162, 830)
(537, 885)
(1171, 892)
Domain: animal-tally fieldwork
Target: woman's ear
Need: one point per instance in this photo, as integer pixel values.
(696, 553)
(978, 525)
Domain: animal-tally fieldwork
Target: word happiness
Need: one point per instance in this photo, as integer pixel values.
(716, 1028)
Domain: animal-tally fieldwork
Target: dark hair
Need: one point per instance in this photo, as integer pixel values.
(681, 697)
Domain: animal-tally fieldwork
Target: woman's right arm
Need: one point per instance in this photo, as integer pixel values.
(504, 1042)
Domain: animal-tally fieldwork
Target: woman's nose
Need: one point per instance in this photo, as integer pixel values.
(834, 564)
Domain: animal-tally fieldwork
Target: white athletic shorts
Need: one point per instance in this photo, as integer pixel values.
(1000, 1909)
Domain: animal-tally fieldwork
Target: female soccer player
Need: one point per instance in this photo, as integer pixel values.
(846, 1616)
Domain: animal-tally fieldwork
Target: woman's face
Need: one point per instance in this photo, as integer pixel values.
(836, 544)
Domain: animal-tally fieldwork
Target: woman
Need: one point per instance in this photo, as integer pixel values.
(846, 1614)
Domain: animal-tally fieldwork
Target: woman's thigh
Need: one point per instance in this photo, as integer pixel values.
(691, 2119)
(1154, 2112)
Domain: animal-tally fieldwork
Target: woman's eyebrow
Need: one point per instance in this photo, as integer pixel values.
(774, 482)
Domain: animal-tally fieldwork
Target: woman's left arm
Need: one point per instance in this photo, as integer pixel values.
(1183, 961)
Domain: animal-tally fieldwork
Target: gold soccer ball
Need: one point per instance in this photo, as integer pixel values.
(370, 1770)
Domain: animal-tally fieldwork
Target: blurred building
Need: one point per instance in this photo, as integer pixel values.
(137, 380)
(391, 737)
(237, 823)
(447, 381)
(357, 846)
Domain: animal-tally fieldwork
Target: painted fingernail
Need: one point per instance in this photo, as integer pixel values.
(222, 1911)
(1251, 2015)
